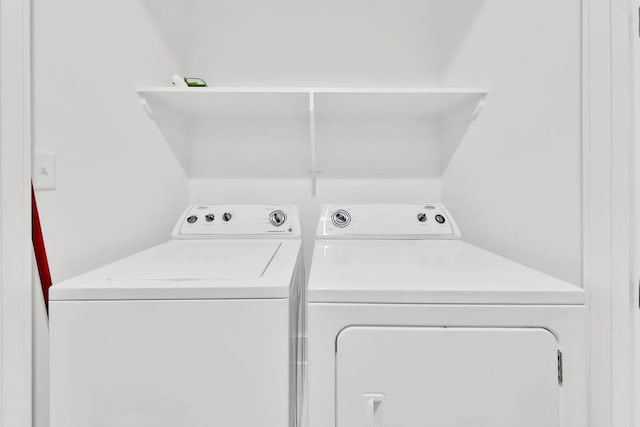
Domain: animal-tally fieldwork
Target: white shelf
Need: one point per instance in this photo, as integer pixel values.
(198, 100)
(298, 131)
(306, 89)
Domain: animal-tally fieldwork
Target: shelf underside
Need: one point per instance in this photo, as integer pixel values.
(297, 132)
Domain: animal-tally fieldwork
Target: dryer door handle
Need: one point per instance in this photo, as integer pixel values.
(373, 409)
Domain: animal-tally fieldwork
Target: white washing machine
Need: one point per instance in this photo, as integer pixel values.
(200, 331)
(410, 326)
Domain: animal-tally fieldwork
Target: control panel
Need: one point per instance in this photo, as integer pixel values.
(387, 221)
(210, 221)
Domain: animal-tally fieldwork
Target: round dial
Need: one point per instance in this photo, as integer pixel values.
(209, 217)
(226, 217)
(277, 218)
(192, 219)
(341, 218)
(440, 219)
(422, 217)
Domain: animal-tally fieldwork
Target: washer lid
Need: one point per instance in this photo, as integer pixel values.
(428, 271)
(192, 269)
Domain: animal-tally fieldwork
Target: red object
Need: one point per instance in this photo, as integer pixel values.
(40, 251)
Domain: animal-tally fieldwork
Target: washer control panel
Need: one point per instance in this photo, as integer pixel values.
(207, 221)
(387, 221)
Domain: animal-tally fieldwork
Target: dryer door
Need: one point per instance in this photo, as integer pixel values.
(432, 376)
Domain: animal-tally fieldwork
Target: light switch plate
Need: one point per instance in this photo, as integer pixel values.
(43, 170)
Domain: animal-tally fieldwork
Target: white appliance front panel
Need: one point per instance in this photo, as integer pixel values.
(326, 321)
(463, 377)
(170, 363)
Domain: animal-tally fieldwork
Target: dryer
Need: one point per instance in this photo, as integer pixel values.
(199, 331)
(408, 325)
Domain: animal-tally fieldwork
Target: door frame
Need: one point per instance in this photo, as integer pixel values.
(635, 209)
(632, 324)
(624, 289)
(608, 208)
(15, 215)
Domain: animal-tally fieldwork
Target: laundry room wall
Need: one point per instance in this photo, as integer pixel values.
(514, 185)
(329, 43)
(119, 188)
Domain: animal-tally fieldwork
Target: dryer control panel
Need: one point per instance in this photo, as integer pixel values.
(387, 221)
(210, 221)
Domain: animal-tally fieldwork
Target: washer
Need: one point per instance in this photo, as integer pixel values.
(408, 325)
(199, 331)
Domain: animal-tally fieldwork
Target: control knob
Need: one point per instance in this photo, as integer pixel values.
(277, 218)
(422, 217)
(341, 218)
(226, 217)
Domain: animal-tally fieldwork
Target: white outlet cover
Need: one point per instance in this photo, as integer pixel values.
(43, 172)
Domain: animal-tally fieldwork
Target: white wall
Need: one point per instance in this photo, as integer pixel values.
(307, 42)
(514, 184)
(119, 188)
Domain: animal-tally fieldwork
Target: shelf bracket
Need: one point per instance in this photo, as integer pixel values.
(479, 107)
(147, 108)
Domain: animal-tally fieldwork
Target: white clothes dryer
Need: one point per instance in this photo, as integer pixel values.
(408, 325)
(199, 331)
